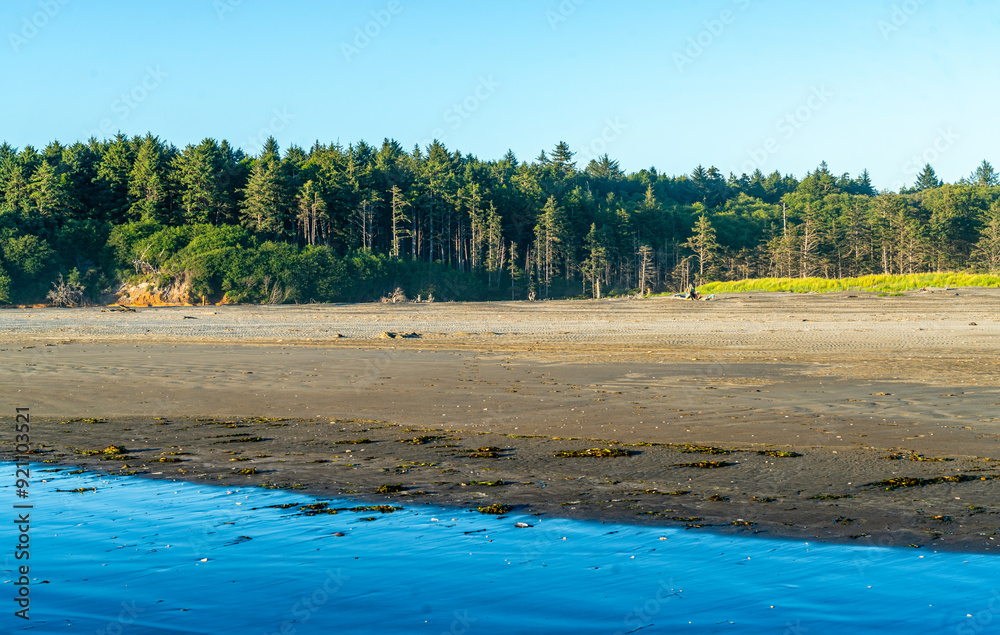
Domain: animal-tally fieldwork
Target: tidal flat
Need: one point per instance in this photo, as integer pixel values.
(840, 417)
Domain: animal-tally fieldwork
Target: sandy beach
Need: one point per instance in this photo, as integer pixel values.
(778, 414)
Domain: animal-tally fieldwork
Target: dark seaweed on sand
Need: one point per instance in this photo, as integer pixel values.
(594, 452)
(705, 465)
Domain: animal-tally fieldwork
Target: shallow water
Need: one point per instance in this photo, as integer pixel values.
(145, 556)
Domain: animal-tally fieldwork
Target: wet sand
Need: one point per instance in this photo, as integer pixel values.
(863, 388)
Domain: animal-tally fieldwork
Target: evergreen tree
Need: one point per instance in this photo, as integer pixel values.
(17, 198)
(927, 180)
(512, 269)
(313, 221)
(984, 175)
(232, 168)
(48, 193)
(112, 178)
(562, 159)
(263, 208)
(146, 188)
(863, 185)
(987, 249)
(604, 167)
(510, 159)
(645, 254)
(703, 244)
(550, 233)
(400, 221)
(596, 262)
(196, 174)
(271, 150)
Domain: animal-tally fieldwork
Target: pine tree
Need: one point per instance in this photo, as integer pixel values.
(783, 249)
(312, 219)
(927, 179)
(645, 254)
(477, 223)
(512, 268)
(604, 167)
(195, 173)
(510, 160)
(48, 192)
(987, 249)
(364, 218)
(984, 175)
(263, 207)
(113, 178)
(703, 244)
(271, 150)
(700, 184)
(863, 184)
(146, 188)
(810, 241)
(17, 197)
(562, 159)
(596, 262)
(495, 250)
(232, 172)
(550, 232)
(400, 220)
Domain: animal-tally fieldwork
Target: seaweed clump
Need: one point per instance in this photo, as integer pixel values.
(243, 440)
(111, 450)
(422, 439)
(317, 508)
(496, 509)
(703, 449)
(705, 465)
(602, 453)
(910, 481)
(488, 452)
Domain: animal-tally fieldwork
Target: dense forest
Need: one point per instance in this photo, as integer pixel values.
(79, 223)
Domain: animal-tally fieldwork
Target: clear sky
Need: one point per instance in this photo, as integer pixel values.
(739, 84)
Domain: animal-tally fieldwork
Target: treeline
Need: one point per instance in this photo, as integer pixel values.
(353, 223)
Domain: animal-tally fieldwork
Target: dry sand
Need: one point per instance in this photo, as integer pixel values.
(861, 387)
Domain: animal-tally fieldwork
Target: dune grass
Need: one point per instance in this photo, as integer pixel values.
(879, 283)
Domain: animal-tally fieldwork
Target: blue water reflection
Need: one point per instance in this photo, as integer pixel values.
(146, 556)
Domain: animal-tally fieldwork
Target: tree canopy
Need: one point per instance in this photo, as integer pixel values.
(339, 222)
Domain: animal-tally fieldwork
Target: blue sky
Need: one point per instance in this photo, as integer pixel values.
(739, 84)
